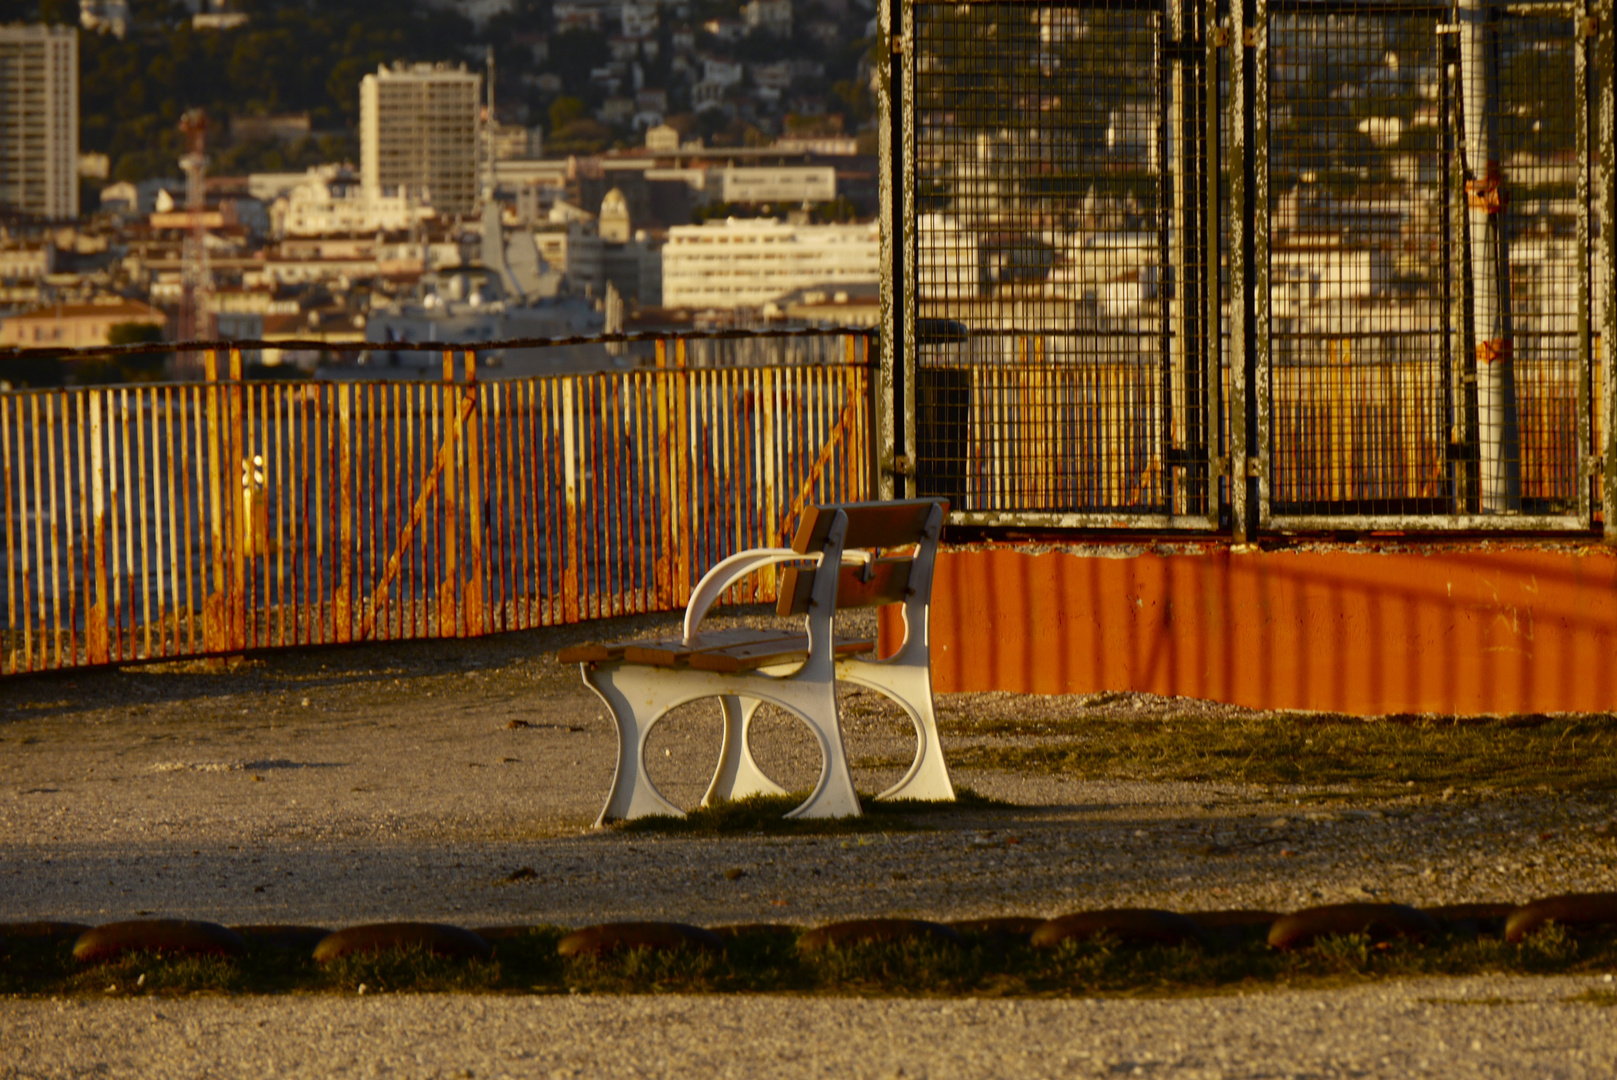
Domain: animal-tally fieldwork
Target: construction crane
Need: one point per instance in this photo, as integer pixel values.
(196, 322)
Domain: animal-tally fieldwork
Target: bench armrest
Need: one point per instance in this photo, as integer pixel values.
(737, 566)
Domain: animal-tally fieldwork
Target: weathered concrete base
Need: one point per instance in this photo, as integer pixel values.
(1478, 628)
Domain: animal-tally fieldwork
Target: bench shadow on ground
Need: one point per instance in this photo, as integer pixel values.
(526, 655)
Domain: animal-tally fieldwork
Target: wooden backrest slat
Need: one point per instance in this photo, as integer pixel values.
(870, 524)
(888, 583)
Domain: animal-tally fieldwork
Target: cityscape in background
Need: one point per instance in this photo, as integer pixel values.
(646, 165)
(708, 173)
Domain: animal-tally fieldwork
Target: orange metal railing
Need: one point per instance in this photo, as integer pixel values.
(144, 522)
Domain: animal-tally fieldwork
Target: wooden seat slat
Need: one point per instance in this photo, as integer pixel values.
(750, 657)
(652, 650)
(674, 652)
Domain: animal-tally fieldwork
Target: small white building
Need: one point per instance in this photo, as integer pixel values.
(732, 263)
(639, 20)
(332, 200)
(773, 17)
(662, 139)
(778, 184)
(719, 70)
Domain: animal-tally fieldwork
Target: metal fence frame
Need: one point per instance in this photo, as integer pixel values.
(163, 521)
(1230, 44)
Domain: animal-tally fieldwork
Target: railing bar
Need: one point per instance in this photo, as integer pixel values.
(275, 478)
(263, 609)
(605, 504)
(192, 490)
(544, 451)
(36, 559)
(388, 489)
(647, 469)
(55, 644)
(131, 521)
(325, 509)
(84, 531)
(163, 453)
(522, 478)
(601, 575)
(302, 568)
(477, 573)
(145, 518)
(502, 524)
(432, 548)
(28, 558)
(13, 476)
(239, 525)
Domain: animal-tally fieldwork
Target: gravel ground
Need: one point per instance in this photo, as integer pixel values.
(1474, 1027)
(338, 787)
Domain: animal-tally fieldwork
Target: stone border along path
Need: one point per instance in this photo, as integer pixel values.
(411, 780)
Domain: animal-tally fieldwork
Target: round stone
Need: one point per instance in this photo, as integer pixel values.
(436, 938)
(159, 936)
(1380, 921)
(656, 936)
(1146, 926)
(1578, 912)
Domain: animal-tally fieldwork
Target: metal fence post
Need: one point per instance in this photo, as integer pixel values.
(896, 299)
(474, 483)
(215, 611)
(1605, 193)
(1243, 211)
(1498, 432)
(1583, 53)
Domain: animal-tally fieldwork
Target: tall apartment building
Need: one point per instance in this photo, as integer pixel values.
(418, 131)
(39, 120)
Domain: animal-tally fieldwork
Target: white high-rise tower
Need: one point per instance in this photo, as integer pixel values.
(418, 132)
(39, 120)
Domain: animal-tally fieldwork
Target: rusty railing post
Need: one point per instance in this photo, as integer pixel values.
(474, 497)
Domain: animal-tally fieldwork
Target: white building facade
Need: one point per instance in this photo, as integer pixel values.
(732, 264)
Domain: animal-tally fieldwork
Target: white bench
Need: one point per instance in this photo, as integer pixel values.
(841, 557)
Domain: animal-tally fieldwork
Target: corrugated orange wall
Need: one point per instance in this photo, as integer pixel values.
(1480, 629)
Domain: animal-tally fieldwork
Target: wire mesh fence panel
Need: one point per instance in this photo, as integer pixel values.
(1540, 156)
(1424, 282)
(1359, 286)
(1404, 322)
(1057, 249)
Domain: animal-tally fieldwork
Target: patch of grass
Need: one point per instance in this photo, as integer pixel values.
(1566, 753)
(412, 969)
(769, 962)
(1603, 998)
(766, 814)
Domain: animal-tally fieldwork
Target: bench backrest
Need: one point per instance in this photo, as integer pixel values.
(885, 580)
(888, 583)
(870, 524)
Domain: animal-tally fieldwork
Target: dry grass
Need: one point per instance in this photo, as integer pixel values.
(1312, 750)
